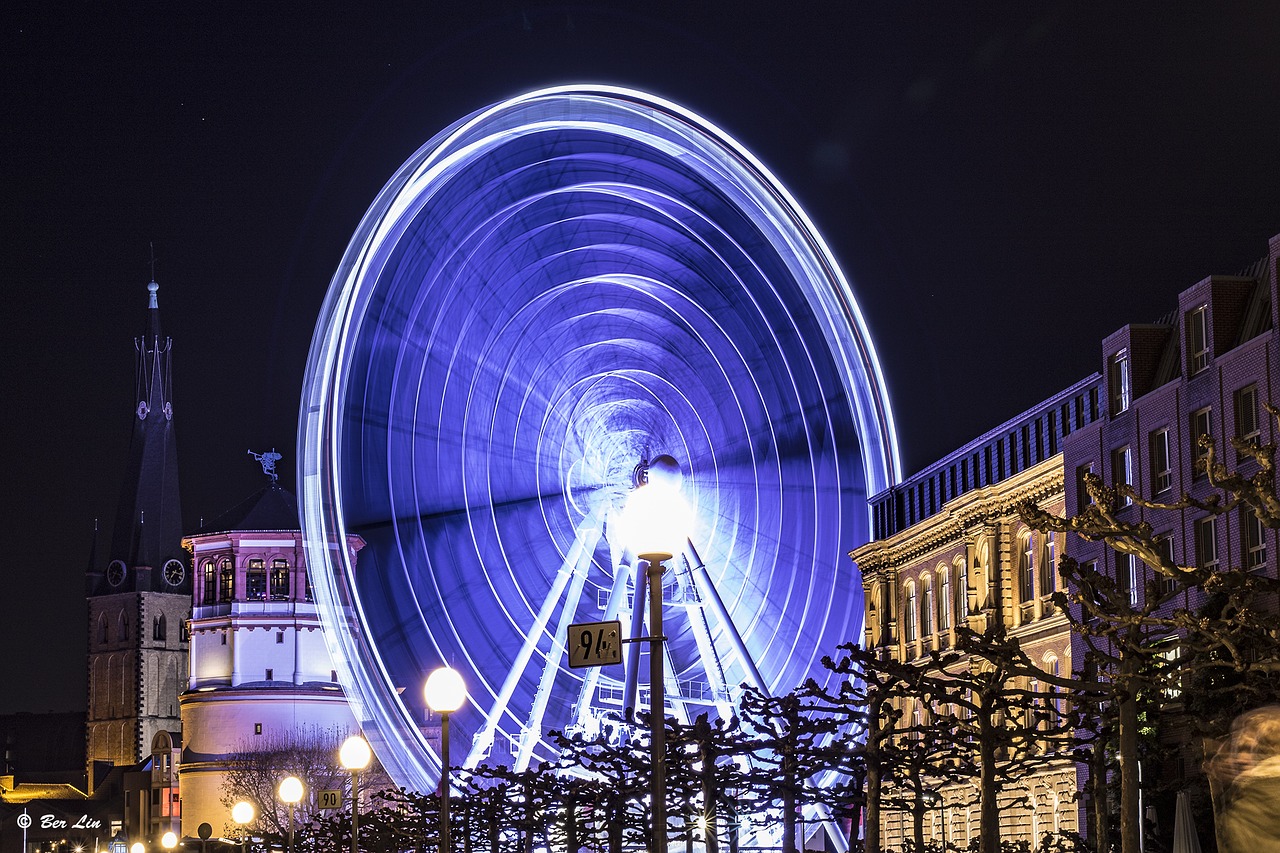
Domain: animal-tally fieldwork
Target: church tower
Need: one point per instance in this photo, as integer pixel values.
(140, 601)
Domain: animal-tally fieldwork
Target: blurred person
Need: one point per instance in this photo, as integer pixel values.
(1246, 775)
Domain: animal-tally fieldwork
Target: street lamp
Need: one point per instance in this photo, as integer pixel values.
(169, 841)
(655, 525)
(355, 755)
(243, 814)
(445, 692)
(933, 798)
(137, 847)
(290, 793)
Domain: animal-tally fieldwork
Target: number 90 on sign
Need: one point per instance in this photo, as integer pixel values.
(595, 644)
(329, 799)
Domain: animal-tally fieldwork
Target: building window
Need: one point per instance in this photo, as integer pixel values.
(1246, 405)
(122, 629)
(1082, 493)
(1161, 465)
(271, 675)
(962, 591)
(257, 728)
(224, 638)
(944, 599)
(1198, 338)
(333, 676)
(909, 615)
(279, 580)
(1026, 568)
(306, 586)
(926, 607)
(227, 586)
(1254, 536)
(256, 581)
(159, 629)
(1127, 577)
(1048, 566)
(1164, 547)
(1201, 427)
(210, 584)
(1119, 380)
(1171, 657)
(1207, 542)
(1122, 474)
(279, 638)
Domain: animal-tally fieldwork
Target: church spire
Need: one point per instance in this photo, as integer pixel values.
(148, 530)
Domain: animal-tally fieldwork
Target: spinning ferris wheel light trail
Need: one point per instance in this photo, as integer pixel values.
(545, 292)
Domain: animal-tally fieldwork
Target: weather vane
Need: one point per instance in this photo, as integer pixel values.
(268, 461)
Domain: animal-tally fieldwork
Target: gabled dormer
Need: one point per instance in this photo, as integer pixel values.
(1131, 363)
(1212, 314)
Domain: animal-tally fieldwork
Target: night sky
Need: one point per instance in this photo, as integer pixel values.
(1003, 186)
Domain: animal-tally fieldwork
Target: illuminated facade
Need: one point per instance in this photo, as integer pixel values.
(260, 668)
(140, 600)
(548, 293)
(953, 552)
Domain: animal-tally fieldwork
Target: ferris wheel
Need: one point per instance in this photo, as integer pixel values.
(552, 292)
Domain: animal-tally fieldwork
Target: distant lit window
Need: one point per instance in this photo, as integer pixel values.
(1119, 380)
(909, 615)
(1161, 466)
(962, 591)
(227, 581)
(256, 581)
(210, 583)
(279, 580)
(944, 599)
(926, 607)
(1206, 530)
(1201, 427)
(1198, 338)
(1048, 566)
(1026, 567)
(1254, 535)
(1127, 577)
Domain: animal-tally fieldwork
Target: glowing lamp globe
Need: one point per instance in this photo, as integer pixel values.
(655, 523)
(445, 691)
(169, 841)
(355, 753)
(290, 790)
(243, 812)
(137, 847)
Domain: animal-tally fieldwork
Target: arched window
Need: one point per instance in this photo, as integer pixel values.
(103, 635)
(279, 580)
(160, 629)
(1026, 568)
(122, 628)
(226, 580)
(926, 607)
(256, 581)
(944, 599)
(210, 594)
(962, 591)
(1048, 565)
(909, 614)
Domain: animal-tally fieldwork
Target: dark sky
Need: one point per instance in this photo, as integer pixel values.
(1003, 184)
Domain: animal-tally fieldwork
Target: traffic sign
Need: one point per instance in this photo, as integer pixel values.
(329, 799)
(595, 643)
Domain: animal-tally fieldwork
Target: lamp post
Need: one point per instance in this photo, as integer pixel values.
(934, 798)
(290, 793)
(655, 521)
(355, 755)
(445, 692)
(169, 841)
(243, 814)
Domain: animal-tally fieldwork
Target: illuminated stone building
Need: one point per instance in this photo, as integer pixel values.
(260, 669)
(139, 601)
(950, 551)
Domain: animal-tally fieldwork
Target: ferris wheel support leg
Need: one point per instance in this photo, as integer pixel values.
(637, 631)
(533, 730)
(709, 594)
(484, 739)
(839, 841)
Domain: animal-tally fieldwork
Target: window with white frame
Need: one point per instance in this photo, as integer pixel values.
(1127, 577)
(909, 614)
(926, 607)
(1161, 465)
(1198, 338)
(1119, 381)
(1201, 427)
(1246, 406)
(1206, 531)
(1122, 473)
(1048, 566)
(1082, 493)
(1026, 568)
(962, 591)
(1253, 539)
(944, 599)
(1164, 546)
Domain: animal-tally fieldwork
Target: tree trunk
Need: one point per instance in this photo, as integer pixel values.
(988, 782)
(788, 803)
(1100, 828)
(1130, 785)
(710, 801)
(917, 823)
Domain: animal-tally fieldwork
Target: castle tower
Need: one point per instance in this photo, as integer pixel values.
(261, 675)
(140, 600)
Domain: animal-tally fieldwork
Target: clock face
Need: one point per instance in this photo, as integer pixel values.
(115, 573)
(174, 572)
